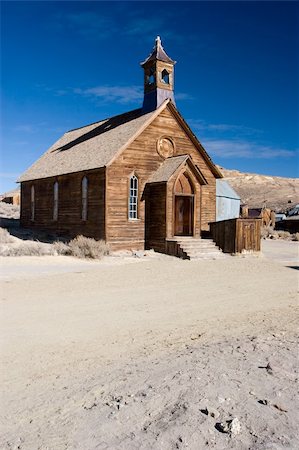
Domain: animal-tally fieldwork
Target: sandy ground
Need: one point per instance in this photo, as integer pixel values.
(150, 353)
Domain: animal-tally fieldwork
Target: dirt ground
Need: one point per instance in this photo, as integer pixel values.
(150, 353)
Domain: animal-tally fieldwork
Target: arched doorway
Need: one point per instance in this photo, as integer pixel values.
(183, 206)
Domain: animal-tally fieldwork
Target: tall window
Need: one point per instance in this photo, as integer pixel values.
(55, 204)
(133, 198)
(84, 189)
(32, 202)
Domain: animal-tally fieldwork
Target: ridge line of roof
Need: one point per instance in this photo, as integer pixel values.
(103, 120)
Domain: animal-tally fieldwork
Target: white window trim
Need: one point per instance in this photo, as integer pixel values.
(133, 198)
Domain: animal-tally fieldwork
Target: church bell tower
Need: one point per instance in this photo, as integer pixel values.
(158, 78)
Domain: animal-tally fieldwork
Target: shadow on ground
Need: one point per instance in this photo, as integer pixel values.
(14, 228)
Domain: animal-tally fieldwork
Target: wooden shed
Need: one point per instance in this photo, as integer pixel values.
(135, 180)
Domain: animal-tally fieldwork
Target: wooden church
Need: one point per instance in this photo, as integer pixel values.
(138, 180)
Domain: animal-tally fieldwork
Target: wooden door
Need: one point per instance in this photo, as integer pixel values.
(183, 215)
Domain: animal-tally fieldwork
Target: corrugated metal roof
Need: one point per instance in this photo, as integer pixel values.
(224, 189)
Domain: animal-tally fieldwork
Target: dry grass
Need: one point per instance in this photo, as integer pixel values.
(61, 248)
(9, 211)
(283, 234)
(83, 247)
(269, 233)
(5, 237)
(266, 232)
(80, 247)
(28, 249)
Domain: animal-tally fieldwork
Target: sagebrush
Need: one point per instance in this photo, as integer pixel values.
(28, 249)
(5, 237)
(84, 247)
(61, 248)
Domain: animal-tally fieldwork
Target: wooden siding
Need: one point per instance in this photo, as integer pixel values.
(171, 203)
(155, 217)
(142, 159)
(184, 146)
(69, 221)
(237, 235)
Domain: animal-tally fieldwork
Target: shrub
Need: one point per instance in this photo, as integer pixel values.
(9, 211)
(283, 234)
(83, 247)
(29, 249)
(295, 237)
(61, 248)
(266, 232)
(5, 237)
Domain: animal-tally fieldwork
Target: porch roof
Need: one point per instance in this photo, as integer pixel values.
(170, 166)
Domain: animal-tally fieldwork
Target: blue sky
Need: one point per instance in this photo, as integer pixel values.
(67, 64)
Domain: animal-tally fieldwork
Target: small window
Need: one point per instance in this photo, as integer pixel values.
(55, 203)
(151, 76)
(165, 76)
(32, 203)
(84, 188)
(133, 198)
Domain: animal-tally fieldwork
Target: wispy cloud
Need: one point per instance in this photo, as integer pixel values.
(142, 26)
(24, 128)
(202, 125)
(9, 175)
(183, 96)
(118, 94)
(89, 24)
(244, 149)
(28, 129)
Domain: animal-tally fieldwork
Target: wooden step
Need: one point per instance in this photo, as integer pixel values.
(195, 248)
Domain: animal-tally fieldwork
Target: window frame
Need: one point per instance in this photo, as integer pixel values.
(55, 200)
(84, 198)
(133, 194)
(32, 203)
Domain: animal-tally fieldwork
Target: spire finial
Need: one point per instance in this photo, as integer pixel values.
(158, 41)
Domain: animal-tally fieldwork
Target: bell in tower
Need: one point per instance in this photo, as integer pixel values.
(158, 78)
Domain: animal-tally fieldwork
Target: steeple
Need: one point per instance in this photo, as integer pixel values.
(158, 77)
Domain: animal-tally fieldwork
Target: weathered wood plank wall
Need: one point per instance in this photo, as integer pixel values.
(69, 222)
(141, 158)
(155, 217)
(237, 235)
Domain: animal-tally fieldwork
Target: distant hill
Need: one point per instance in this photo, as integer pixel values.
(277, 193)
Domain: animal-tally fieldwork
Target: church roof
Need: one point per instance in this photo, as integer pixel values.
(158, 53)
(171, 165)
(89, 147)
(168, 168)
(97, 144)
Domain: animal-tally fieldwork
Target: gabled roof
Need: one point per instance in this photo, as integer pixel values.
(98, 144)
(171, 165)
(195, 141)
(167, 168)
(88, 147)
(158, 53)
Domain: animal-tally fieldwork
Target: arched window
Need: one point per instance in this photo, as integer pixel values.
(55, 203)
(84, 193)
(151, 76)
(165, 76)
(133, 198)
(32, 202)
